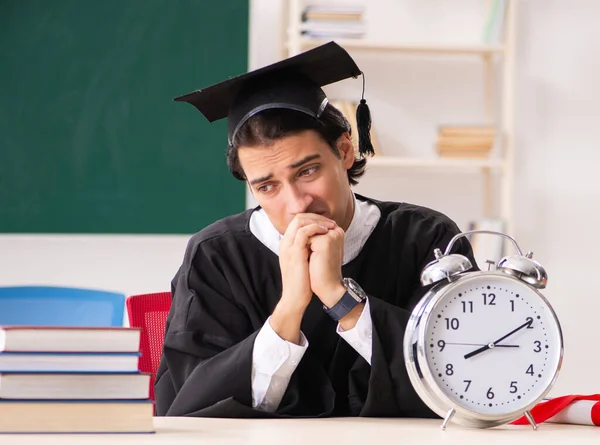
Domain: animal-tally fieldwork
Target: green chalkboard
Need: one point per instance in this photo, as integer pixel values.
(90, 139)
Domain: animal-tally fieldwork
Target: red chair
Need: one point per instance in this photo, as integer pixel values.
(149, 312)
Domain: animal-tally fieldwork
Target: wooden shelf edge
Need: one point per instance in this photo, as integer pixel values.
(394, 161)
(357, 44)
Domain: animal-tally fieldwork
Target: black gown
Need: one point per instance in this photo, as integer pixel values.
(229, 284)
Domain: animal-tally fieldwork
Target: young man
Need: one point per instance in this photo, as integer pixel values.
(297, 307)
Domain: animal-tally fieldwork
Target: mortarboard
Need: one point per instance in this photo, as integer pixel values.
(294, 83)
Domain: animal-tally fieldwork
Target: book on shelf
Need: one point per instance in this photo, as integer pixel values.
(69, 339)
(348, 109)
(467, 131)
(333, 29)
(486, 246)
(320, 21)
(69, 361)
(465, 141)
(56, 385)
(463, 154)
(330, 12)
(83, 416)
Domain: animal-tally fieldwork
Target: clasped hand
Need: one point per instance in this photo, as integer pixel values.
(310, 257)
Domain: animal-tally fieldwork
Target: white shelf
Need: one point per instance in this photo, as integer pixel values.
(361, 44)
(397, 161)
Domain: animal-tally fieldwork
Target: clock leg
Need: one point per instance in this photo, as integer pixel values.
(531, 420)
(447, 418)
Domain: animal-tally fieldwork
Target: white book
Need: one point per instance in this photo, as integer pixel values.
(335, 9)
(71, 386)
(68, 362)
(69, 339)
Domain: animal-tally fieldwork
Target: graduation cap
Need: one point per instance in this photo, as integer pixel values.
(294, 83)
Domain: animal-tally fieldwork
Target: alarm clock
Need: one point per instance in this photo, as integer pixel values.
(483, 347)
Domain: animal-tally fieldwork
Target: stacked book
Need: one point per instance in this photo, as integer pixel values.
(333, 21)
(72, 380)
(458, 141)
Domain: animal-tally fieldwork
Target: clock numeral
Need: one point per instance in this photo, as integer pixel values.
(449, 369)
(490, 395)
(529, 370)
(512, 305)
(468, 382)
(538, 346)
(530, 320)
(489, 299)
(467, 305)
(452, 324)
(441, 344)
(513, 387)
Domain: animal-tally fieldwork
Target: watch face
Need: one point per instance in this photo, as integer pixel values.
(492, 344)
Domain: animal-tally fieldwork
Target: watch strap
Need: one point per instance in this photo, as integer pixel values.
(342, 307)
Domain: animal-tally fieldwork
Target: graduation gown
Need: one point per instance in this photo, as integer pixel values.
(229, 284)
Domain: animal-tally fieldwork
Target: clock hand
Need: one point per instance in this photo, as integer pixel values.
(495, 343)
(480, 344)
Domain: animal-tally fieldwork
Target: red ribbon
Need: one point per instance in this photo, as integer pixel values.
(545, 410)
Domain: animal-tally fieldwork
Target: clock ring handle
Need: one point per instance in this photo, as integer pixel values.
(520, 266)
(489, 232)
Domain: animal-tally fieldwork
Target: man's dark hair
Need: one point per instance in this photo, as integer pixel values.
(270, 125)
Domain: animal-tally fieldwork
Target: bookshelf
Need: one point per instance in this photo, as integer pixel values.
(501, 115)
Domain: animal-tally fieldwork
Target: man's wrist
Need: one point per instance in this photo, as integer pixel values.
(351, 318)
(353, 295)
(332, 297)
(286, 320)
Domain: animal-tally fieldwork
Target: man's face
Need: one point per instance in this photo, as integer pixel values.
(300, 174)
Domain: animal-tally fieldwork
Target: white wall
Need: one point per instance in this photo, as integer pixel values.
(557, 192)
(557, 195)
(121, 263)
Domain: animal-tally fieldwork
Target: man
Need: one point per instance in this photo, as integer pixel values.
(297, 307)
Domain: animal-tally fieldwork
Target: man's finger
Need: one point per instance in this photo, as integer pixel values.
(302, 220)
(306, 232)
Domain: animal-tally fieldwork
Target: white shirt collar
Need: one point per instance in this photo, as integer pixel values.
(365, 218)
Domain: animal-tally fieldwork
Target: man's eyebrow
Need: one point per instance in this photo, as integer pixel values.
(294, 165)
(262, 179)
(304, 161)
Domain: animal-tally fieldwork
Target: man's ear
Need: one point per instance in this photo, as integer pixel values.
(346, 150)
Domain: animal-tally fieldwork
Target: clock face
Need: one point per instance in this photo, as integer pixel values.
(493, 344)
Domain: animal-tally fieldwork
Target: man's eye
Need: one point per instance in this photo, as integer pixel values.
(309, 171)
(266, 188)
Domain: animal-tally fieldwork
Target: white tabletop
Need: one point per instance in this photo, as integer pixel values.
(342, 431)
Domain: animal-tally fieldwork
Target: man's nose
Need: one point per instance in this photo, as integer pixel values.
(297, 201)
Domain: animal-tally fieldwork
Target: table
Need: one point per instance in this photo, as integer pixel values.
(342, 431)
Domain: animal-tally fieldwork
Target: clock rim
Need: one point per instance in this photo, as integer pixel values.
(420, 374)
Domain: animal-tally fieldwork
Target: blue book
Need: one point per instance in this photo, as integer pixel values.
(82, 386)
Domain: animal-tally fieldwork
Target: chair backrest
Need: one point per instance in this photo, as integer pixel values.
(60, 306)
(149, 312)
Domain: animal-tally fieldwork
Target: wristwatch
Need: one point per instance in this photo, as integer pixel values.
(353, 296)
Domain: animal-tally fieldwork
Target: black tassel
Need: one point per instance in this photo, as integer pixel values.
(363, 122)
